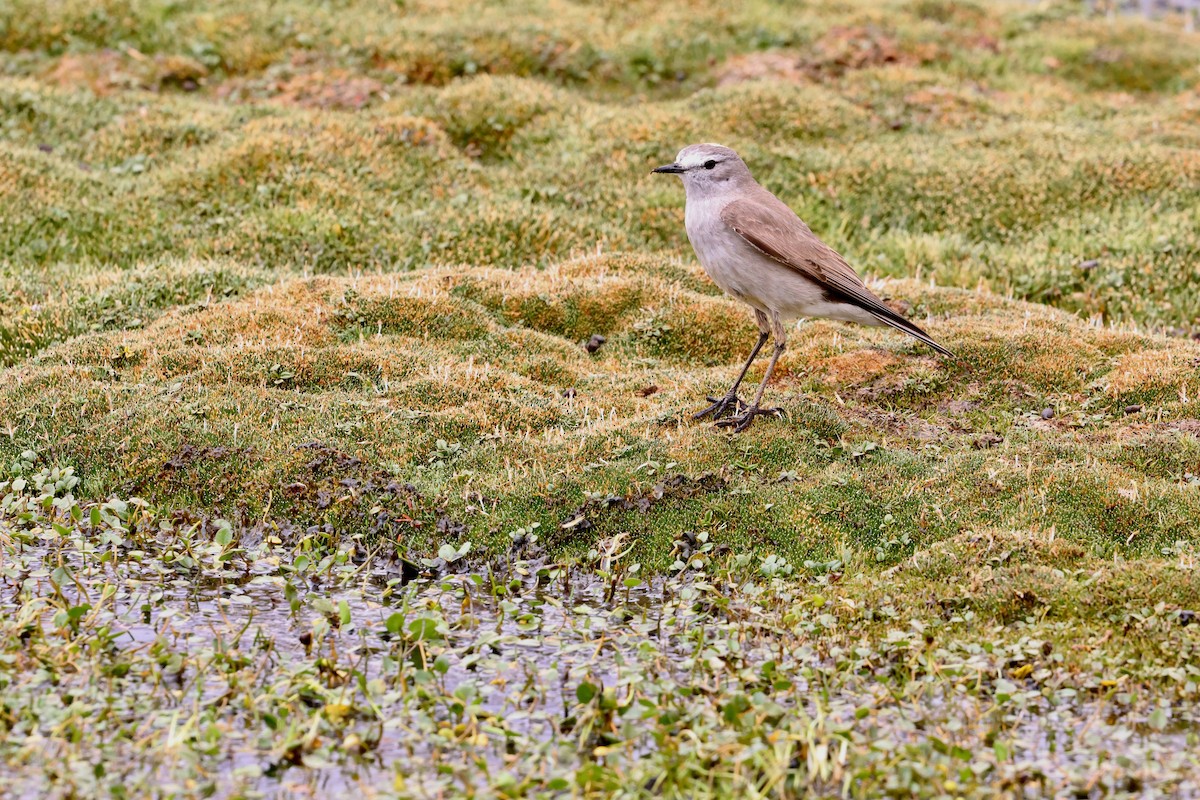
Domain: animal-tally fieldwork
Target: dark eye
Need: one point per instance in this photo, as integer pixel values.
(709, 164)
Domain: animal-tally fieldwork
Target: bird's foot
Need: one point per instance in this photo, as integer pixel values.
(739, 422)
(720, 405)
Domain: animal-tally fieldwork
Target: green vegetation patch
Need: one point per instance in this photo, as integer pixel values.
(347, 359)
(475, 386)
(187, 651)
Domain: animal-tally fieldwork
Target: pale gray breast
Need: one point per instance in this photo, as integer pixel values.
(719, 248)
(745, 272)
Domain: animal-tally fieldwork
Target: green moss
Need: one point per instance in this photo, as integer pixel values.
(482, 115)
(1121, 57)
(383, 367)
(488, 208)
(327, 271)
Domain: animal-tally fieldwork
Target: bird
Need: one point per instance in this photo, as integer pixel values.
(757, 250)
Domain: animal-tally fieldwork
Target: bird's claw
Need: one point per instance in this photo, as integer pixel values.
(720, 405)
(739, 422)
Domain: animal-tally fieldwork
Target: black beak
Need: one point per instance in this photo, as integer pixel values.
(669, 168)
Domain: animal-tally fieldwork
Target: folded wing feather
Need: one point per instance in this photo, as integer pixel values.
(768, 225)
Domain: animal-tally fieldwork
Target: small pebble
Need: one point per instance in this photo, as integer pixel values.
(1091, 263)
(1047, 413)
(1133, 409)
(594, 343)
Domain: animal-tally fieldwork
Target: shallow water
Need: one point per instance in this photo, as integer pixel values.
(264, 675)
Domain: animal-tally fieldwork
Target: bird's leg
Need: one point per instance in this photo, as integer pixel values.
(730, 400)
(740, 421)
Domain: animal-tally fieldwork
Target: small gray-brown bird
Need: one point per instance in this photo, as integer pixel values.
(756, 249)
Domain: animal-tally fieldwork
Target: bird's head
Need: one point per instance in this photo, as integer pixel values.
(707, 168)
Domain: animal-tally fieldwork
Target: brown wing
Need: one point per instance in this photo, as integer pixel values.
(768, 225)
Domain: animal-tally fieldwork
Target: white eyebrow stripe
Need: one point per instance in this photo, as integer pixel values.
(695, 160)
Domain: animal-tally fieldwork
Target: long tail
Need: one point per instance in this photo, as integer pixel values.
(898, 322)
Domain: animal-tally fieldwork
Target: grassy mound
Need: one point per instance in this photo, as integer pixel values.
(304, 401)
(1029, 151)
(296, 288)
(269, 260)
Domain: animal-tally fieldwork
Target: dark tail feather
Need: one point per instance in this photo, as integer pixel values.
(901, 324)
(887, 316)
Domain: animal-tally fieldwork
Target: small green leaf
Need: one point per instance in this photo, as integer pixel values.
(424, 629)
(735, 707)
(322, 605)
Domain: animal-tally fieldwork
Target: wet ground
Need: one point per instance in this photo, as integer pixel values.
(201, 664)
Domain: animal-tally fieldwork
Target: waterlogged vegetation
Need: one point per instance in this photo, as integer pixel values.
(148, 656)
(347, 355)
